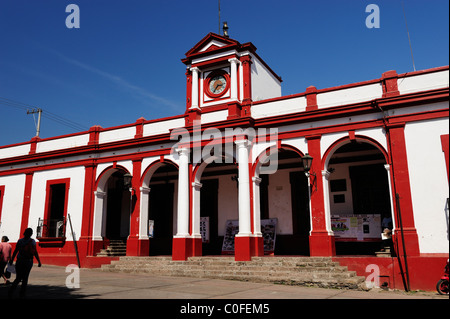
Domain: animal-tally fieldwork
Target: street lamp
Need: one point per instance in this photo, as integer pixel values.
(127, 177)
(307, 162)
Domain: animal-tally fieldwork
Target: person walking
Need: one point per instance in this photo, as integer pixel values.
(25, 251)
(5, 257)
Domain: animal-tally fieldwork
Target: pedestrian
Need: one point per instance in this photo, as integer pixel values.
(25, 251)
(5, 257)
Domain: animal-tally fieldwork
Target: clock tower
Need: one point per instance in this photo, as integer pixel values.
(225, 74)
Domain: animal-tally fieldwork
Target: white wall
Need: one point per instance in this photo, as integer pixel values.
(75, 199)
(264, 84)
(12, 206)
(429, 183)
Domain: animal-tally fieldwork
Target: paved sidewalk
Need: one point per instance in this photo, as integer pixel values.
(49, 282)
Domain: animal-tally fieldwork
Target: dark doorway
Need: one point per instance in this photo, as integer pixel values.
(301, 223)
(118, 208)
(161, 213)
(209, 208)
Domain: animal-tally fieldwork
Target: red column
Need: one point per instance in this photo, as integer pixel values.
(402, 187)
(136, 247)
(321, 243)
(85, 244)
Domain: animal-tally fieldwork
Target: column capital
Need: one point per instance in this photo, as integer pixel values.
(256, 180)
(145, 190)
(197, 185)
(326, 174)
(183, 151)
(194, 69)
(243, 143)
(233, 60)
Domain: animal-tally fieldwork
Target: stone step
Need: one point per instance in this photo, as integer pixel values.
(319, 272)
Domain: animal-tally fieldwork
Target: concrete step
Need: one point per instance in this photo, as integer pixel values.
(319, 272)
(115, 248)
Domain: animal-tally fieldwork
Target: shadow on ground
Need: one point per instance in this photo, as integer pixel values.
(44, 292)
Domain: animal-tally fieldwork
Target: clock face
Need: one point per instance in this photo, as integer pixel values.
(217, 84)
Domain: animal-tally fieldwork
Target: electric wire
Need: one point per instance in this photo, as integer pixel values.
(45, 113)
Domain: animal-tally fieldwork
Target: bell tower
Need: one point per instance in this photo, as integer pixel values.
(223, 73)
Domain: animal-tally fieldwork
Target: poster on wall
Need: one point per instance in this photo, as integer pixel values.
(268, 230)
(151, 225)
(232, 228)
(359, 227)
(204, 229)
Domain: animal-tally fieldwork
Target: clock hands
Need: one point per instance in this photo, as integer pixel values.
(217, 84)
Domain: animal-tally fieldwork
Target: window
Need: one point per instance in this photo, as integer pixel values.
(54, 222)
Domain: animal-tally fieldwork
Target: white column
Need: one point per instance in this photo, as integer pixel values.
(326, 196)
(256, 206)
(99, 228)
(244, 189)
(196, 187)
(388, 170)
(195, 99)
(183, 194)
(143, 219)
(233, 78)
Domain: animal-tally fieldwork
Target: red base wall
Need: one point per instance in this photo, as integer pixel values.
(424, 270)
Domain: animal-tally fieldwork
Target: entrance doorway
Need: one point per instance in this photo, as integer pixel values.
(360, 202)
(161, 209)
(284, 196)
(117, 208)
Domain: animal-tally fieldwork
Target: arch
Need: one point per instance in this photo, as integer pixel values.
(198, 199)
(156, 204)
(357, 186)
(152, 168)
(101, 200)
(100, 183)
(294, 227)
(265, 154)
(346, 140)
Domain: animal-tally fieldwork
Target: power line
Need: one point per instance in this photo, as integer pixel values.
(409, 38)
(49, 115)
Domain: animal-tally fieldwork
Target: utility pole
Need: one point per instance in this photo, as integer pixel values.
(39, 111)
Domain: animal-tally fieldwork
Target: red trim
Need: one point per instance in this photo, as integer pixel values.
(87, 222)
(311, 98)
(444, 142)
(246, 61)
(2, 195)
(401, 186)
(389, 83)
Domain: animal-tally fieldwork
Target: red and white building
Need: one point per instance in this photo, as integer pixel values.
(379, 150)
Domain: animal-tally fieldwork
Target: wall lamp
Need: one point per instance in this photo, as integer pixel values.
(127, 177)
(307, 162)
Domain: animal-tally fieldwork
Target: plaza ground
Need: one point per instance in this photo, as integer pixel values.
(49, 282)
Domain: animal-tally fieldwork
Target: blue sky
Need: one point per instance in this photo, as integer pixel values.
(124, 62)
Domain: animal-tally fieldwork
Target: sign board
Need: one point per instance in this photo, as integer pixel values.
(359, 227)
(204, 229)
(268, 230)
(151, 225)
